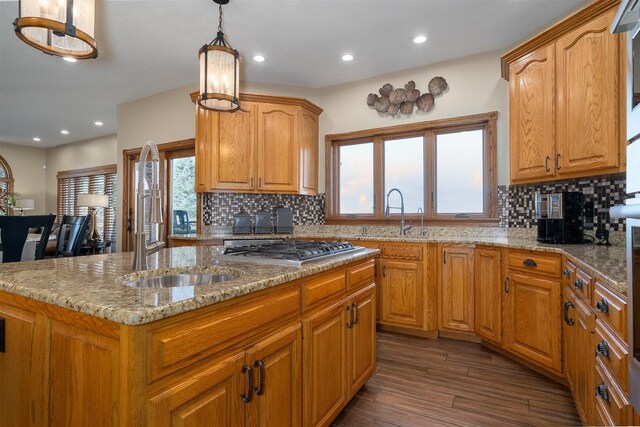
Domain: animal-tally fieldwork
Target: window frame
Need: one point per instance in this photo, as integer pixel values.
(429, 130)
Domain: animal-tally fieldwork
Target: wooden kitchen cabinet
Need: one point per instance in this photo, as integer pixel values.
(566, 91)
(269, 145)
(361, 340)
(401, 293)
(532, 325)
(488, 294)
(456, 288)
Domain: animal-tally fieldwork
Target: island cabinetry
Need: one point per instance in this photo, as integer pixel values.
(402, 285)
(456, 288)
(269, 145)
(532, 327)
(488, 294)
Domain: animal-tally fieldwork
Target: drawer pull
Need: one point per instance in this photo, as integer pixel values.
(248, 370)
(507, 281)
(349, 310)
(602, 306)
(355, 313)
(546, 164)
(602, 392)
(529, 263)
(260, 389)
(566, 272)
(579, 284)
(602, 349)
(567, 319)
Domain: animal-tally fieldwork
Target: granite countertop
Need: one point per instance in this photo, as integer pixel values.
(94, 284)
(607, 263)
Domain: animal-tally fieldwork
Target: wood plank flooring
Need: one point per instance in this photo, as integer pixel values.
(444, 382)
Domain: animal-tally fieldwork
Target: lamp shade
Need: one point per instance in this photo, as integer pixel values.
(58, 27)
(219, 78)
(26, 204)
(93, 200)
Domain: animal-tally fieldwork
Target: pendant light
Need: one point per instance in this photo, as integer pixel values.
(58, 27)
(219, 72)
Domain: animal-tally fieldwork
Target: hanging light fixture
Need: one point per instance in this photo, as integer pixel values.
(219, 72)
(58, 27)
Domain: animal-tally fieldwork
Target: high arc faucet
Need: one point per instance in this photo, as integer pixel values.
(387, 211)
(142, 249)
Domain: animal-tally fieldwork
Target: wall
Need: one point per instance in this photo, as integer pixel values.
(78, 155)
(475, 86)
(29, 177)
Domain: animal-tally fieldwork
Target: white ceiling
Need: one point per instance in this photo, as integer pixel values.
(149, 46)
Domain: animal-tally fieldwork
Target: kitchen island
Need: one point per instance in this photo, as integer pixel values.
(81, 348)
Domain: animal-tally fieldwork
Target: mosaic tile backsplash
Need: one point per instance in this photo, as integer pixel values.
(516, 202)
(218, 208)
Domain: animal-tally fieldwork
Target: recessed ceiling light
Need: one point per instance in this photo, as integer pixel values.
(347, 57)
(98, 123)
(69, 59)
(258, 58)
(36, 139)
(64, 132)
(419, 39)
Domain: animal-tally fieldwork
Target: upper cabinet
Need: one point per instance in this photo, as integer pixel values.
(269, 145)
(566, 91)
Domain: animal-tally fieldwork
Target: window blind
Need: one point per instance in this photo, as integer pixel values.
(100, 180)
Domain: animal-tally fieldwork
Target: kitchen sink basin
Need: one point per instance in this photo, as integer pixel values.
(180, 280)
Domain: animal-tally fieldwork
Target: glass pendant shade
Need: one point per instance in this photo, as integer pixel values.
(58, 27)
(219, 78)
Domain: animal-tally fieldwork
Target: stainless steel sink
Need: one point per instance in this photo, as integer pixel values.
(180, 280)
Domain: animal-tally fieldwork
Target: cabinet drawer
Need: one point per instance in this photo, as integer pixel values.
(611, 308)
(537, 263)
(181, 344)
(362, 274)
(322, 289)
(582, 284)
(402, 251)
(611, 402)
(612, 352)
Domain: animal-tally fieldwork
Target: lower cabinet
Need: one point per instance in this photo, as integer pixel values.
(488, 294)
(456, 288)
(401, 293)
(258, 386)
(532, 325)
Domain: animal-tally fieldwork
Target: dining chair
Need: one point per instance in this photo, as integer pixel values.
(181, 222)
(73, 231)
(13, 233)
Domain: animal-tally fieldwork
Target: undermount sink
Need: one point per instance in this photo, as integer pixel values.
(180, 280)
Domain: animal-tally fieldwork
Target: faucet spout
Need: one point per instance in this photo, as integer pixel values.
(403, 228)
(142, 248)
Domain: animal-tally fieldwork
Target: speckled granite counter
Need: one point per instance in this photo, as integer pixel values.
(607, 263)
(93, 284)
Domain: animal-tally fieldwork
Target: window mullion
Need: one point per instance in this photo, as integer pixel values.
(430, 174)
(378, 177)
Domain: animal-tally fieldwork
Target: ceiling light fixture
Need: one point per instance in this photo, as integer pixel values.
(347, 57)
(419, 39)
(219, 72)
(61, 28)
(64, 132)
(36, 139)
(258, 58)
(98, 123)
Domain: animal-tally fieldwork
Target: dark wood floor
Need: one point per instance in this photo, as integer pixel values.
(445, 382)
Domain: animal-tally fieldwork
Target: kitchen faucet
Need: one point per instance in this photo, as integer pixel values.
(421, 212)
(387, 213)
(142, 249)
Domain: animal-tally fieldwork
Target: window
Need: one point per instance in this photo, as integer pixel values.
(6, 185)
(100, 180)
(444, 168)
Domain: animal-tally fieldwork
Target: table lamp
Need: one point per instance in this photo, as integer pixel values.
(24, 205)
(93, 201)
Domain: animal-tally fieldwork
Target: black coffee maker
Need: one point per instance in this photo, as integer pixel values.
(560, 217)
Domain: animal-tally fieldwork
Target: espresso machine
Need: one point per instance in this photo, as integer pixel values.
(560, 217)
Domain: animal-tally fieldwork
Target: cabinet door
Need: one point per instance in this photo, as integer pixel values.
(488, 294)
(277, 364)
(309, 153)
(533, 326)
(588, 86)
(324, 364)
(210, 396)
(532, 115)
(401, 293)
(233, 150)
(206, 122)
(456, 289)
(362, 339)
(278, 148)
(22, 365)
